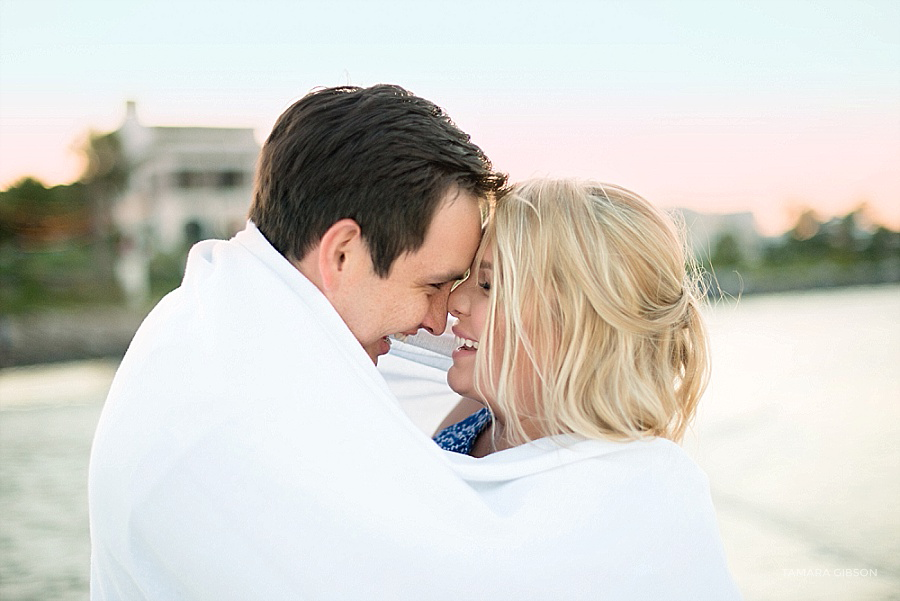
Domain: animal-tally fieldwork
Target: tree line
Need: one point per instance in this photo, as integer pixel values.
(58, 244)
(814, 252)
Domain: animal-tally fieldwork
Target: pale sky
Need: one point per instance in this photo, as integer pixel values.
(719, 106)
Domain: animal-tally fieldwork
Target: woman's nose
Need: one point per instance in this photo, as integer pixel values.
(458, 303)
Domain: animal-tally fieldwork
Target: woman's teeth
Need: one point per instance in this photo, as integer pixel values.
(465, 343)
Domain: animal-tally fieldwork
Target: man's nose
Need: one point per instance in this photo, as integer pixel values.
(436, 318)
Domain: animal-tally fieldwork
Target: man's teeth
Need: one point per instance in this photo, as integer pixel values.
(466, 343)
(400, 337)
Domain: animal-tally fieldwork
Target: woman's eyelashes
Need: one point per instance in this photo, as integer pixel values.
(484, 282)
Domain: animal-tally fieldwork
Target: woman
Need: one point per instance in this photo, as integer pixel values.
(579, 331)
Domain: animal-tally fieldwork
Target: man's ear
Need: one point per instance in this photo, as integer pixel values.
(339, 253)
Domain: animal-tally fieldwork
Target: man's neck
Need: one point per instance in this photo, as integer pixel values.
(308, 266)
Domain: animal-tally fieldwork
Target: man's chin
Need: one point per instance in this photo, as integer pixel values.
(378, 348)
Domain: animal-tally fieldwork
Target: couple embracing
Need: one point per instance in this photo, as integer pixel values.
(250, 449)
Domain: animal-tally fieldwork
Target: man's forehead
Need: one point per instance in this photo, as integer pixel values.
(435, 265)
(443, 264)
(451, 240)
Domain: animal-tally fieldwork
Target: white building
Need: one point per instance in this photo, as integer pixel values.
(185, 184)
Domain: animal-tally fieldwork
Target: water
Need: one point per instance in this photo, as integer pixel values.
(47, 419)
(799, 433)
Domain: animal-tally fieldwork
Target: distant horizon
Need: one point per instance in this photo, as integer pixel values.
(768, 223)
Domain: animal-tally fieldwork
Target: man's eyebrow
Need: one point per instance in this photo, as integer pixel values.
(452, 277)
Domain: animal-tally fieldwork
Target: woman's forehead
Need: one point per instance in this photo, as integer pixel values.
(484, 258)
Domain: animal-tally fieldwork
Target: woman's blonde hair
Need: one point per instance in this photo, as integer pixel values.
(594, 314)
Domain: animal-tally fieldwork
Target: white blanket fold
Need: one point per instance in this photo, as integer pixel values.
(249, 449)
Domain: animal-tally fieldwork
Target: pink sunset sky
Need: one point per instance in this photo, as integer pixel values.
(765, 106)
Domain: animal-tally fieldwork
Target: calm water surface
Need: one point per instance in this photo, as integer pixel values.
(798, 432)
(800, 435)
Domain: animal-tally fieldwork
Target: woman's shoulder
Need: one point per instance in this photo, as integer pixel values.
(652, 461)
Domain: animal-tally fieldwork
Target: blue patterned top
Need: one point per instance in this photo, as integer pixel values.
(460, 437)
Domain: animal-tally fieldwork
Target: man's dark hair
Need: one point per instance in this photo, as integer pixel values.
(380, 156)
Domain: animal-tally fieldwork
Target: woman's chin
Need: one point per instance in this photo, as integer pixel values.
(460, 382)
(453, 380)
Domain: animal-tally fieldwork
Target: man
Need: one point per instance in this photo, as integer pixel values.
(249, 449)
(349, 182)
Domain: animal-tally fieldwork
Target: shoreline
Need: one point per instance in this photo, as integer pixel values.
(59, 336)
(76, 382)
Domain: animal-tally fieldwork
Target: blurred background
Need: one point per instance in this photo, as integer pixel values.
(129, 130)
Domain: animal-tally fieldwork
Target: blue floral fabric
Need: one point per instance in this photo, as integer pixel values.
(460, 437)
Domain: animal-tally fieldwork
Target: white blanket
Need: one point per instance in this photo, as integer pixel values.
(249, 449)
(603, 520)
